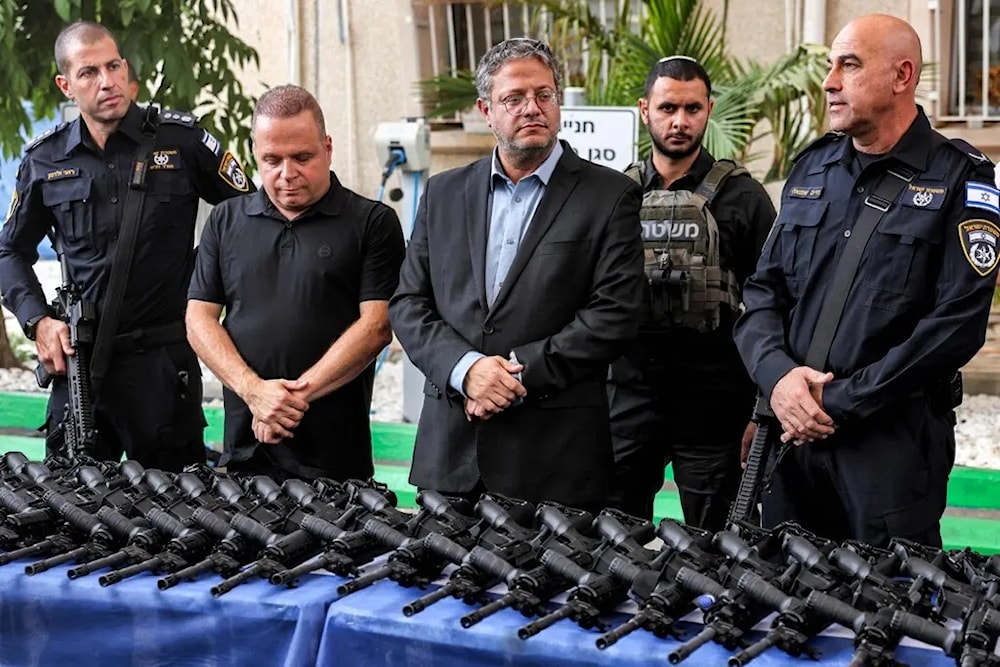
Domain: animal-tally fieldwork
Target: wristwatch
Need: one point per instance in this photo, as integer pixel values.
(29, 326)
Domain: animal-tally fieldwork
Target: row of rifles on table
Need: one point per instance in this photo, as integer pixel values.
(123, 520)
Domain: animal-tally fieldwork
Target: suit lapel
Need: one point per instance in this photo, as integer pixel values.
(475, 220)
(561, 185)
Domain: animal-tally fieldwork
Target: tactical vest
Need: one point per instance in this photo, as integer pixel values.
(686, 287)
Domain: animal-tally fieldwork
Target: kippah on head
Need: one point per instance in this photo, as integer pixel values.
(681, 68)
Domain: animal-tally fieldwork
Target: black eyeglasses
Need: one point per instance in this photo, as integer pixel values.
(516, 105)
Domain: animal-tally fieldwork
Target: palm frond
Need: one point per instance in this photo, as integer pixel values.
(445, 95)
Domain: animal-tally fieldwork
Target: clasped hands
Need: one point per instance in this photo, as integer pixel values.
(277, 407)
(797, 402)
(491, 387)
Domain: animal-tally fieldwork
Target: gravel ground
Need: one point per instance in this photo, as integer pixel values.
(977, 432)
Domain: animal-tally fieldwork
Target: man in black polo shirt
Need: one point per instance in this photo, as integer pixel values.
(681, 395)
(305, 269)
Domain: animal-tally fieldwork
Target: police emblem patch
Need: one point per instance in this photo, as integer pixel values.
(979, 243)
(924, 196)
(232, 172)
(166, 159)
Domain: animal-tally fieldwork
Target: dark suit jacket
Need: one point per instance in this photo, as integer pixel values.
(567, 308)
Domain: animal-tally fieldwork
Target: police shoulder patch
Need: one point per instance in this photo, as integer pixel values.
(41, 138)
(232, 173)
(979, 244)
(172, 117)
(13, 206)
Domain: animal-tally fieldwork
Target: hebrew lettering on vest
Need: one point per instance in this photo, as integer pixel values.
(662, 230)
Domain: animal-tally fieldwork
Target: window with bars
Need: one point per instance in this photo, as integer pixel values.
(974, 69)
(454, 35)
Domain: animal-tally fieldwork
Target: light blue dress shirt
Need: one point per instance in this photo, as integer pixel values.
(511, 208)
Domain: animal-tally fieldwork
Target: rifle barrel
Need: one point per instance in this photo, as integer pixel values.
(628, 627)
(536, 626)
(258, 568)
(366, 580)
(115, 576)
(422, 603)
(53, 561)
(112, 561)
(682, 652)
(752, 651)
(488, 610)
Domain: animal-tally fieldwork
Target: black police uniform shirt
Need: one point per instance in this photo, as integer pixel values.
(709, 361)
(919, 304)
(67, 183)
(290, 289)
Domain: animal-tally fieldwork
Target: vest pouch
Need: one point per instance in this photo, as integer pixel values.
(687, 287)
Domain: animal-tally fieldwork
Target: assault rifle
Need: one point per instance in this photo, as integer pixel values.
(78, 425)
(531, 587)
(754, 480)
(597, 591)
(414, 563)
(728, 612)
(505, 539)
(662, 601)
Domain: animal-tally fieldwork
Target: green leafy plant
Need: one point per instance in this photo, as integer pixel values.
(184, 51)
(787, 93)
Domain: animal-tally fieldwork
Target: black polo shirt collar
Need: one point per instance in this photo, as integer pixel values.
(130, 126)
(329, 204)
(651, 179)
(912, 149)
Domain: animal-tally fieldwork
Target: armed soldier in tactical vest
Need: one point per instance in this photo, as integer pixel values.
(116, 173)
(682, 395)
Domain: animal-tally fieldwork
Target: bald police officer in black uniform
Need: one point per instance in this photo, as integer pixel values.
(74, 181)
(872, 430)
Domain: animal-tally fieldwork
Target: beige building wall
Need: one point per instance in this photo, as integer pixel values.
(360, 58)
(357, 56)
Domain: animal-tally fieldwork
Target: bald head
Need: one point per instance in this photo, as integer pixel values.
(883, 38)
(871, 87)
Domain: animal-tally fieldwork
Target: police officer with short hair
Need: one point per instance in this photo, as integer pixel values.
(74, 181)
(681, 395)
(870, 432)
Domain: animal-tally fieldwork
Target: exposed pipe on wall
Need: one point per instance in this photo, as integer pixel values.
(317, 22)
(292, 20)
(344, 15)
(814, 22)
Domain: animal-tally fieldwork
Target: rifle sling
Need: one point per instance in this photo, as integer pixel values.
(128, 233)
(757, 475)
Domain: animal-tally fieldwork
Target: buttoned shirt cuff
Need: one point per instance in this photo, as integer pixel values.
(837, 401)
(458, 372)
(772, 368)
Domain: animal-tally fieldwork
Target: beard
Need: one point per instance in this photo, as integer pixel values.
(677, 154)
(521, 153)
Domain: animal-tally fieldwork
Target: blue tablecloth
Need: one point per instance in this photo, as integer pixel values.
(48, 619)
(367, 629)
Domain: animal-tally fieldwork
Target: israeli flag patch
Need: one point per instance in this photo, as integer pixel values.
(980, 195)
